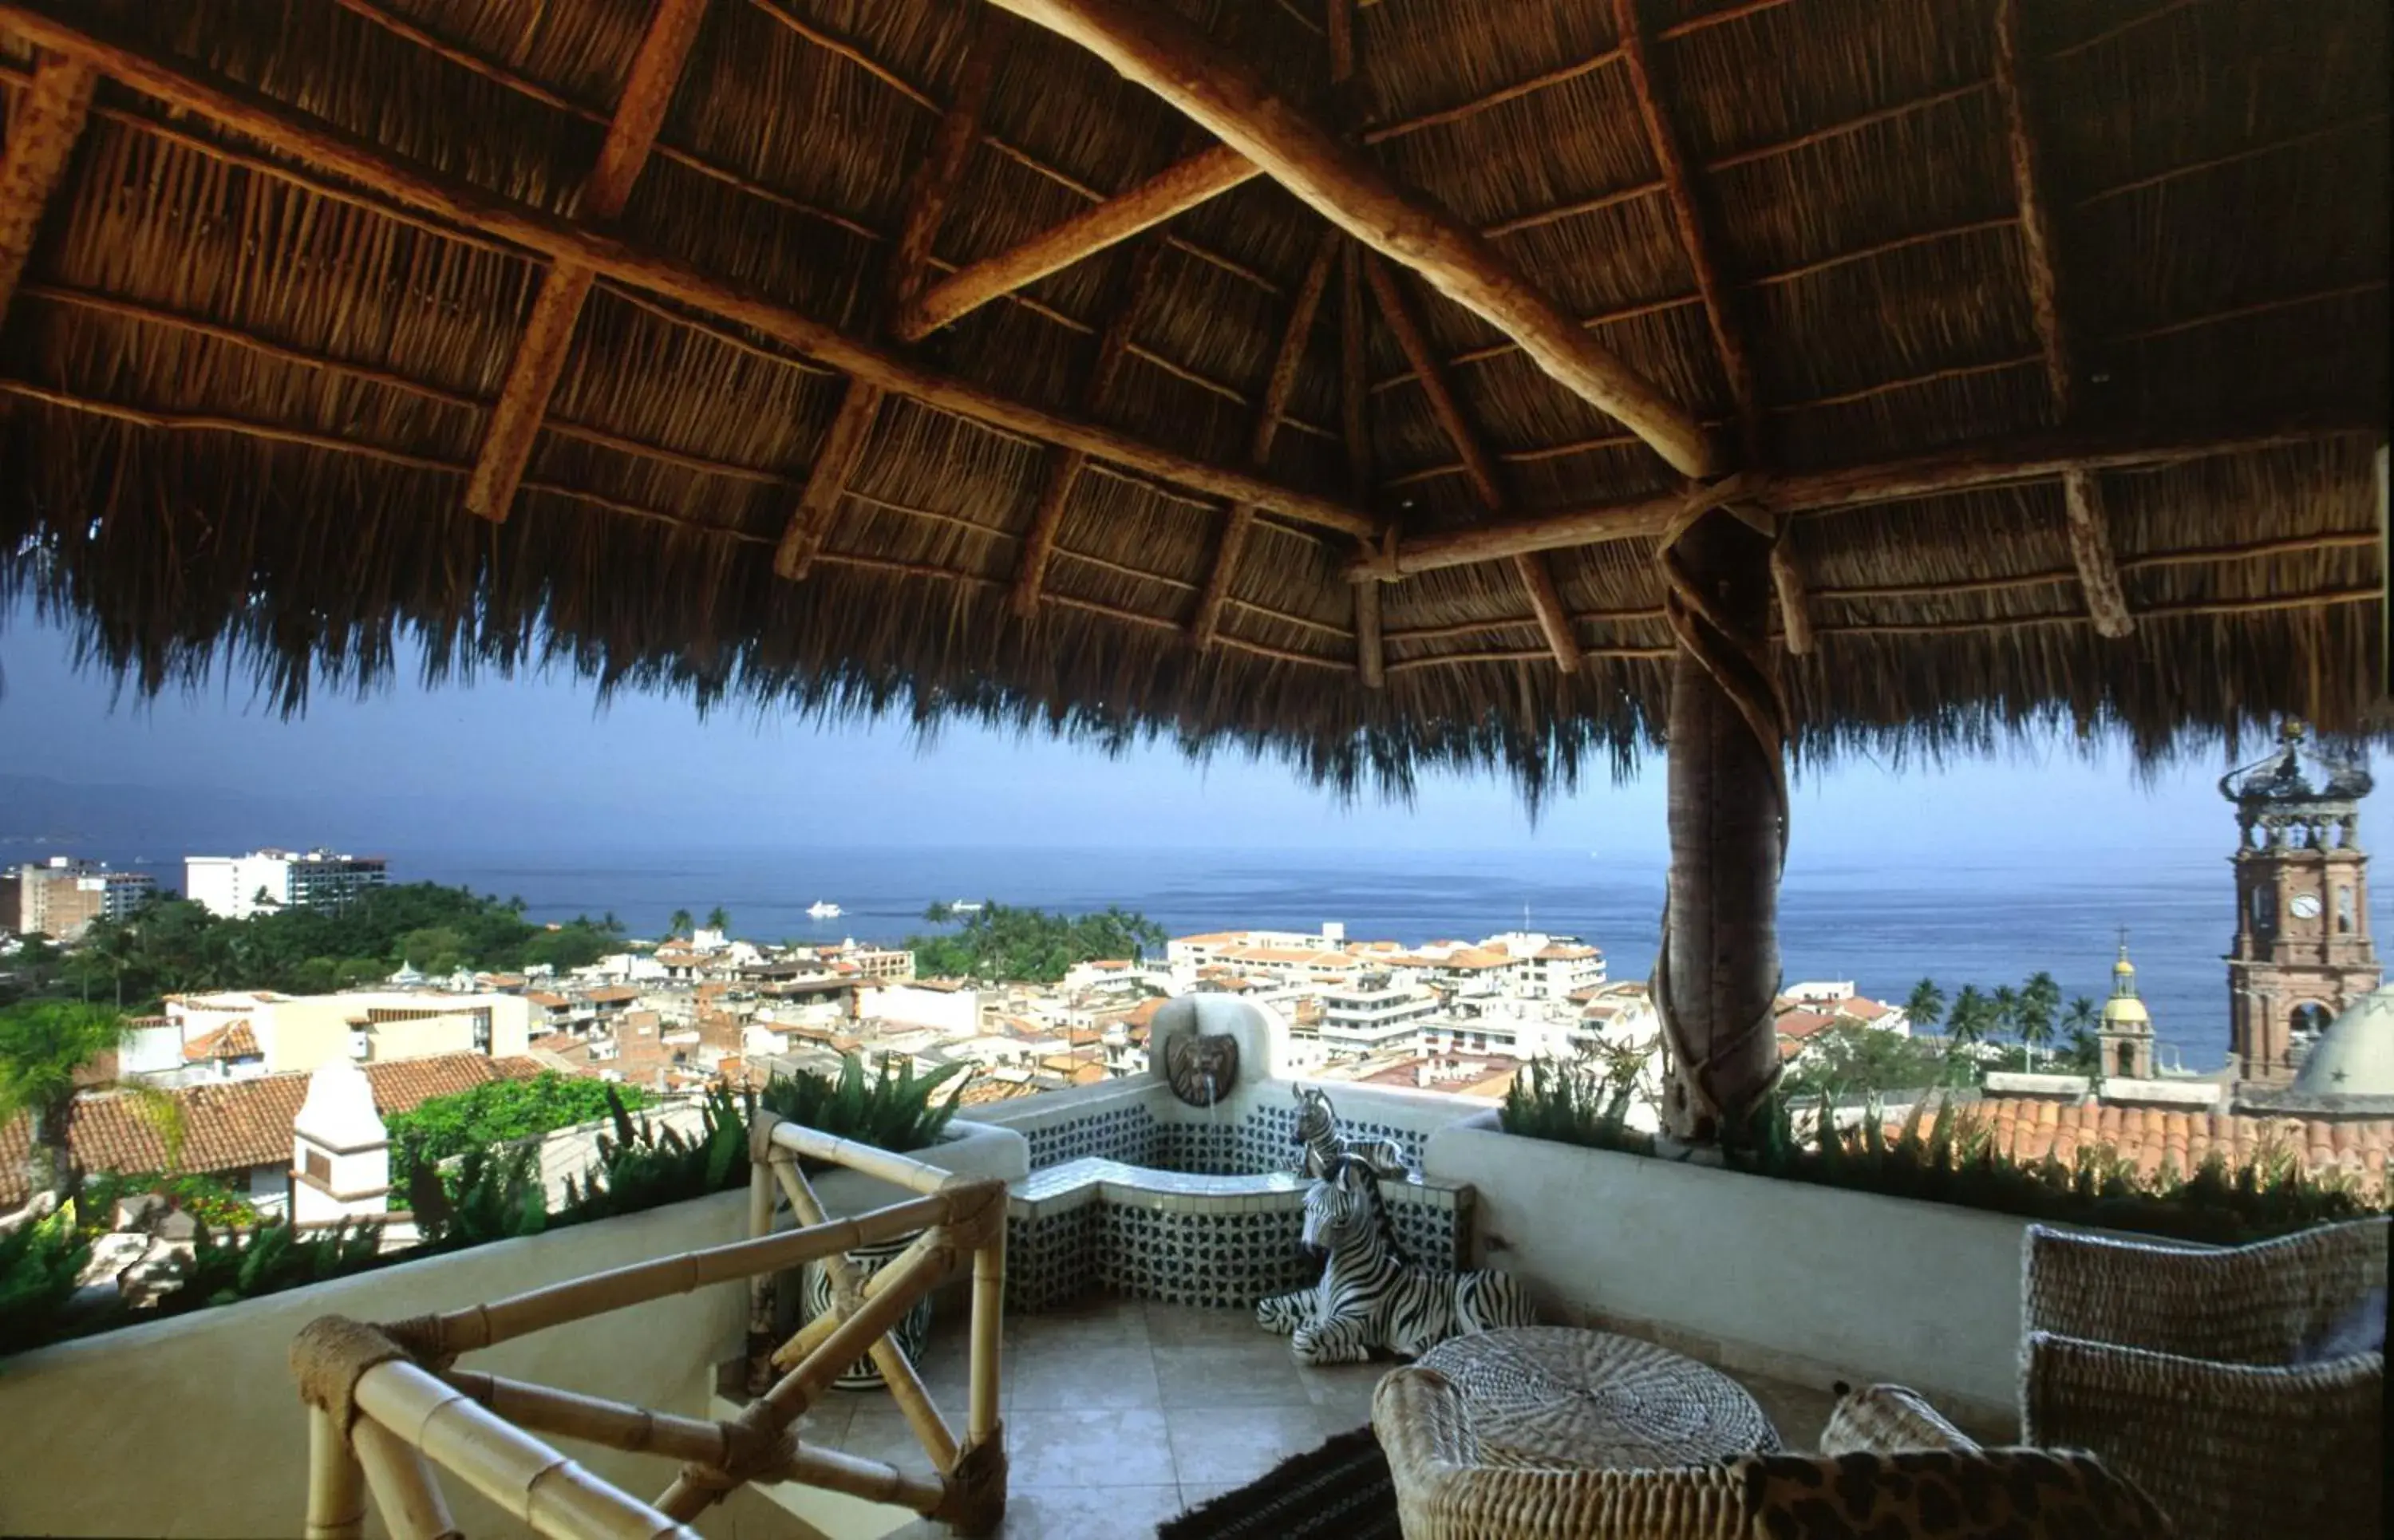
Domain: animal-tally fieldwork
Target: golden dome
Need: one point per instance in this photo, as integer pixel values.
(2124, 968)
(2125, 1011)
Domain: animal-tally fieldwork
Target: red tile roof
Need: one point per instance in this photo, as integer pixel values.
(233, 1040)
(2028, 1128)
(1861, 1008)
(610, 993)
(244, 1123)
(1802, 1024)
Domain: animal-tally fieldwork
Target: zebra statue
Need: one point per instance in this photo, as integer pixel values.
(1371, 1296)
(1316, 1132)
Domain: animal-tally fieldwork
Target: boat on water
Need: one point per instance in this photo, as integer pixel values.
(966, 906)
(822, 910)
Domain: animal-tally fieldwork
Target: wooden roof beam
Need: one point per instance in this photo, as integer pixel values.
(1546, 602)
(491, 215)
(1174, 190)
(1963, 467)
(1064, 467)
(1354, 396)
(1339, 180)
(42, 138)
(1276, 389)
(2090, 534)
(910, 259)
(548, 335)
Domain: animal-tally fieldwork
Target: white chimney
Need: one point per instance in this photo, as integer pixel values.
(340, 1155)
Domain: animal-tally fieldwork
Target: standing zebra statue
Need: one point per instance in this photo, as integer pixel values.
(1317, 1131)
(1370, 1295)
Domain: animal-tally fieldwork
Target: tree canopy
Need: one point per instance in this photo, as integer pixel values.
(172, 945)
(1004, 945)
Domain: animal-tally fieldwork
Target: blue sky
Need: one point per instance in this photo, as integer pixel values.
(536, 760)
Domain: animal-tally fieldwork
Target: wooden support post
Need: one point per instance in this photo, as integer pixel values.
(548, 335)
(336, 1484)
(762, 1195)
(486, 215)
(1064, 467)
(897, 1372)
(405, 1490)
(42, 137)
(1225, 95)
(987, 1334)
(1547, 603)
(1282, 381)
(1721, 941)
(1170, 192)
(530, 1481)
(2090, 531)
(1795, 609)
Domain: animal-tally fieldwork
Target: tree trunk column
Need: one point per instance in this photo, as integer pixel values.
(1718, 969)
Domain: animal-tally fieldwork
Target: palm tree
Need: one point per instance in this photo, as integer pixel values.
(1973, 1014)
(2039, 999)
(2082, 1018)
(678, 924)
(1925, 1006)
(42, 1044)
(720, 918)
(2004, 1006)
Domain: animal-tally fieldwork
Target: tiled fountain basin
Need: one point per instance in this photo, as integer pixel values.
(1134, 1194)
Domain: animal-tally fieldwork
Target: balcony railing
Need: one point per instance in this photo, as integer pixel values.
(389, 1409)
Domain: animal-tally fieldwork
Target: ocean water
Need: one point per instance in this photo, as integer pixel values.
(1881, 923)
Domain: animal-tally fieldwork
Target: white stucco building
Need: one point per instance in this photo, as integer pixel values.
(265, 881)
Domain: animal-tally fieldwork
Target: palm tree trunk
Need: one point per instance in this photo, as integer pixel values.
(49, 1164)
(1725, 812)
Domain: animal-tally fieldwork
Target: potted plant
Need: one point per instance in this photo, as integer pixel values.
(906, 1114)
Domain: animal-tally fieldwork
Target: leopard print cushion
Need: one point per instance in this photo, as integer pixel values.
(1945, 1494)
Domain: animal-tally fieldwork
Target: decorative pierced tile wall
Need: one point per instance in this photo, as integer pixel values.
(1049, 1253)
(1217, 1260)
(1126, 1134)
(1267, 1137)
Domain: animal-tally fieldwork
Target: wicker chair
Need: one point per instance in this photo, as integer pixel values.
(1886, 1457)
(2177, 1367)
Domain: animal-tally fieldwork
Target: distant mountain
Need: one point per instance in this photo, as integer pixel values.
(39, 814)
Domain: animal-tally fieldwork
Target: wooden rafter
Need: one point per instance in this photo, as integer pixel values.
(2090, 534)
(1702, 243)
(927, 203)
(2003, 462)
(1354, 396)
(42, 137)
(488, 215)
(1224, 95)
(1064, 466)
(1176, 189)
(1537, 579)
(1209, 621)
(556, 309)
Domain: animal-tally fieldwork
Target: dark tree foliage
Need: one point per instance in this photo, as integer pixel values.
(173, 945)
(1003, 944)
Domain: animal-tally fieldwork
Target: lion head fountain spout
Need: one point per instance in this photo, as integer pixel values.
(1201, 1067)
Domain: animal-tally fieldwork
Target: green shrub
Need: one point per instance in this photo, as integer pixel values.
(494, 1194)
(39, 1265)
(895, 1110)
(1575, 1102)
(1954, 1160)
(205, 1199)
(239, 1264)
(639, 1169)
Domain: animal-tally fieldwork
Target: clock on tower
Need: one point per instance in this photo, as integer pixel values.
(2302, 950)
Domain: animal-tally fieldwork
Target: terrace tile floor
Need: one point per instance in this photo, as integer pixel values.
(1120, 1413)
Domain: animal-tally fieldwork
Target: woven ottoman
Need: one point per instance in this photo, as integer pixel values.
(1547, 1396)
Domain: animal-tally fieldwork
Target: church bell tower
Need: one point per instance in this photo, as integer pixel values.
(2302, 950)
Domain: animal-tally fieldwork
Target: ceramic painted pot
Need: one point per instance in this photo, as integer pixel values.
(912, 1328)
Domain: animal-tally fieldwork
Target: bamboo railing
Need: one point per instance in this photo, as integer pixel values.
(389, 1409)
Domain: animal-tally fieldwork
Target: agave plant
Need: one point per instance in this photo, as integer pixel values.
(39, 1265)
(640, 1167)
(272, 1257)
(894, 1110)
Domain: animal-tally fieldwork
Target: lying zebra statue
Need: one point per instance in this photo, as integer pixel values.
(1317, 1131)
(1370, 1295)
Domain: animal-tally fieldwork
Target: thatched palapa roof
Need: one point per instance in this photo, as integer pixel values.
(901, 354)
